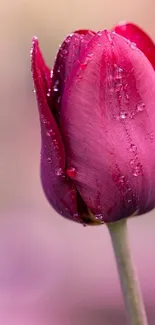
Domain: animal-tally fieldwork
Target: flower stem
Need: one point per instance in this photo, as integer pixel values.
(129, 284)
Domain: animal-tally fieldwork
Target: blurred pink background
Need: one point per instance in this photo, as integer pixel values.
(53, 271)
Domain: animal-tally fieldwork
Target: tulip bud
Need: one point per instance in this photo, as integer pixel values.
(97, 121)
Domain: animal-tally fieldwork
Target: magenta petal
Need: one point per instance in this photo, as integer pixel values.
(68, 54)
(59, 190)
(135, 34)
(108, 124)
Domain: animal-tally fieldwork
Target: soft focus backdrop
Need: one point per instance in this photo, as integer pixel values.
(53, 271)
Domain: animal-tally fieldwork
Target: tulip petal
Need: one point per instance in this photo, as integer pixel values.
(135, 34)
(107, 122)
(67, 55)
(59, 189)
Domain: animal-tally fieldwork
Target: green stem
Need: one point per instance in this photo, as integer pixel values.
(129, 284)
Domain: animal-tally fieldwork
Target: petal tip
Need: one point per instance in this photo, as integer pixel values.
(34, 46)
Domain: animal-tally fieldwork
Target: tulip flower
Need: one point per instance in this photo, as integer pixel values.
(97, 121)
(97, 117)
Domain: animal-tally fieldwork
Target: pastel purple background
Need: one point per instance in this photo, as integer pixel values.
(53, 271)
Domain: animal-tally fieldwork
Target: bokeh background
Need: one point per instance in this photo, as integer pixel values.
(53, 271)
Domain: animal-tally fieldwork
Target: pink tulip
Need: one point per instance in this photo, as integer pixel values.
(97, 116)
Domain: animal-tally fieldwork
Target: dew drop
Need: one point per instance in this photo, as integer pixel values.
(34, 90)
(140, 107)
(50, 132)
(99, 217)
(49, 160)
(79, 77)
(121, 181)
(118, 87)
(31, 52)
(136, 168)
(59, 171)
(133, 45)
(44, 120)
(117, 72)
(55, 88)
(132, 162)
(90, 55)
(71, 172)
(65, 51)
(151, 136)
(127, 41)
(133, 148)
(51, 74)
(49, 92)
(123, 115)
(127, 96)
(75, 215)
(32, 47)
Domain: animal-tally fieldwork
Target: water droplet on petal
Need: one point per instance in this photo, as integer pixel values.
(151, 136)
(133, 45)
(118, 87)
(49, 92)
(140, 107)
(117, 72)
(51, 74)
(133, 148)
(49, 160)
(34, 90)
(99, 217)
(127, 96)
(123, 115)
(90, 55)
(59, 171)
(32, 47)
(79, 77)
(55, 88)
(71, 172)
(50, 132)
(127, 41)
(65, 51)
(136, 168)
(121, 180)
(132, 161)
